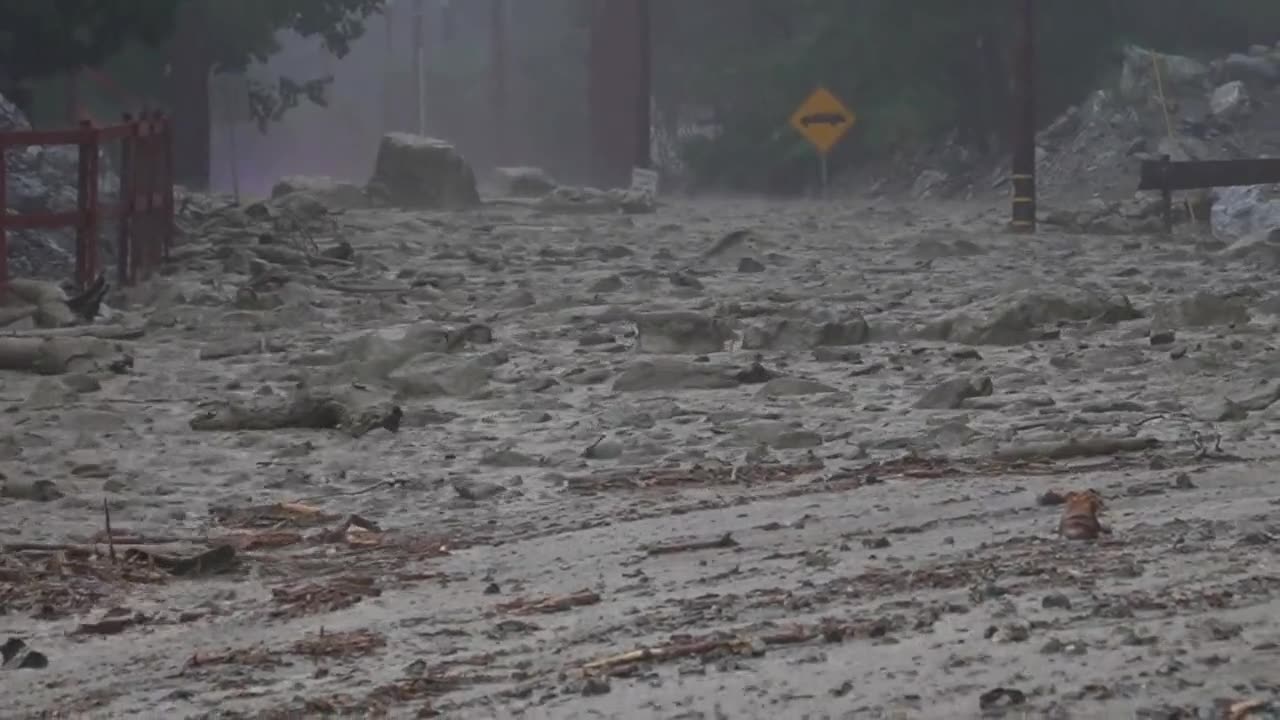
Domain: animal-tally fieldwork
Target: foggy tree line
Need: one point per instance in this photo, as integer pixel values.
(913, 71)
(180, 43)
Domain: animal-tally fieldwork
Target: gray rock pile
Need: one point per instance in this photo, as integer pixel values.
(1089, 158)
(1209, 111)
(39, 180)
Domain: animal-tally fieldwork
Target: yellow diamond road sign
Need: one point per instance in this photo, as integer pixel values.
(823, 120)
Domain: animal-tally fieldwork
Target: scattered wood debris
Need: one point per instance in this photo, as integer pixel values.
(313, 598)
(552, 604)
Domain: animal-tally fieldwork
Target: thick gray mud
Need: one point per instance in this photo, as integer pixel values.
(810, 468)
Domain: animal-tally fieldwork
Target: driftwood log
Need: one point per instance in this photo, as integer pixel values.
(308, 410)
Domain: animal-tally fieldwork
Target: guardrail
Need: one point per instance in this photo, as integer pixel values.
(1168, 175)
(143, 216)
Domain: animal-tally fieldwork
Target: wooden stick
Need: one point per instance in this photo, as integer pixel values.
(111, 542)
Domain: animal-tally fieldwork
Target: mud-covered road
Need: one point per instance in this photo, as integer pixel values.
(525, 464)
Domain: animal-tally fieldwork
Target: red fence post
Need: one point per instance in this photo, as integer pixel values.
(124, 265)
(166, 183)
(82, 200)
(87, 202)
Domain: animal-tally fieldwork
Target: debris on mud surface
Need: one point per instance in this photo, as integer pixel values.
(523, 460)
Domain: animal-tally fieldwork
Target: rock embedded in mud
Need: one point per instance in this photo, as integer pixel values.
(669, 374)
(794, 387)
(951, 394)
(328, 192)
(1020, 317)
(681, 333)
(1203, 309)
(413, 171)
(477, 490)
(788, 334)
(33, 491)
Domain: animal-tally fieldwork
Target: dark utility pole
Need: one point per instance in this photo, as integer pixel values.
(498, 89)
(644, 82)
(1024, 127)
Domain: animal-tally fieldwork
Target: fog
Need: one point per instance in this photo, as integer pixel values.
(373, 92)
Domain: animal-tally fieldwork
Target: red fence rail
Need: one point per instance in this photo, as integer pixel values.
(143, 217)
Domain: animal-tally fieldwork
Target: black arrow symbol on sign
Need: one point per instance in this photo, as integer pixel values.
(829, 118)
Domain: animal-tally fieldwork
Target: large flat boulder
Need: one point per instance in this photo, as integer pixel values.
(330, 192)
(413, 171)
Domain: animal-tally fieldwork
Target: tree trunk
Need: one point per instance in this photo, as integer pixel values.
(190, 63)
(997, 97)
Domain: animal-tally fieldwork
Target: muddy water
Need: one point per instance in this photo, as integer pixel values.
(869, 402)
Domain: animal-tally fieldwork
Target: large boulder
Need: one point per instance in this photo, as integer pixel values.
(1230, 101)
(413, 171)
(1246, 211)
(1251, 68)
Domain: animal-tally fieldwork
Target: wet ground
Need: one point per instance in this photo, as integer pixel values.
(645, 466)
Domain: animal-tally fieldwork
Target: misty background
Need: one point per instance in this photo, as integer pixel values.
(926, 78)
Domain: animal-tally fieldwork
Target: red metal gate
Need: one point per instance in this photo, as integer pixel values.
(143, 218)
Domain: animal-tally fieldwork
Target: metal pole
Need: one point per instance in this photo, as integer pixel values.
(1024, 140)
(498, 59)
(387, 64)
(596, 85)
(419, 67)
(644, 90)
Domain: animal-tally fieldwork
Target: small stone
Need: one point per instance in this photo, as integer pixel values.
(476, 490)
(1056, 601)
(595, 685)
(1165, 337)
(1015, 632)
(81, 383)
(1051, 498)
(604, 450)
(951, 394)
(609, 284)
(1183, 482)
(750, 265)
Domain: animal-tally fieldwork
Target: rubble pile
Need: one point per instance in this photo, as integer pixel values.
(1089, 158)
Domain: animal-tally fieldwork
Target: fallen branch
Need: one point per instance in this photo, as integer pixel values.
(111, 543)
(101, 332)
(211, 562)
(1075, 448)
(724, 541)
(555, 603)
(739, 643)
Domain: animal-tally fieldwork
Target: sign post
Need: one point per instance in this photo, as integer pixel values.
(823, 120)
